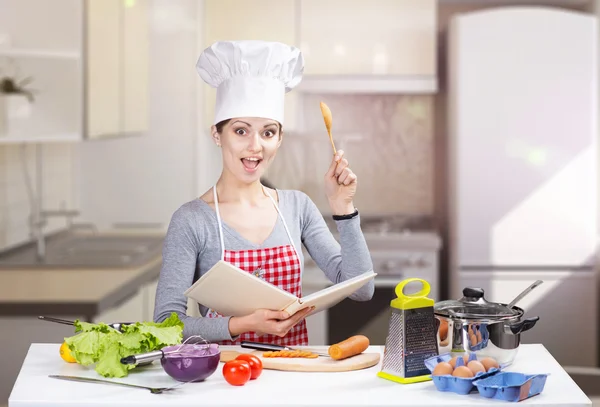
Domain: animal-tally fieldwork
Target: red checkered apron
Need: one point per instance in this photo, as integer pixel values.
(279, 266)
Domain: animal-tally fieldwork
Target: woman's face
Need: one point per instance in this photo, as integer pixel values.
(249, 145)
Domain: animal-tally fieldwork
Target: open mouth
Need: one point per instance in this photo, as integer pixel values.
(251, 163)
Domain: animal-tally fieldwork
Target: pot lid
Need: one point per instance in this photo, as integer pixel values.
(473, 305)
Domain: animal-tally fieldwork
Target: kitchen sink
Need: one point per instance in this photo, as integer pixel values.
(86, 250)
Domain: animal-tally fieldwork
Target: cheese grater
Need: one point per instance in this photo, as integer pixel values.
(411, 336)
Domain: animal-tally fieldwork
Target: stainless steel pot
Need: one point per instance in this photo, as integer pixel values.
(474, 325)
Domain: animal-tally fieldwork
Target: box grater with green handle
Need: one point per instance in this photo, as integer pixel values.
(411, 337)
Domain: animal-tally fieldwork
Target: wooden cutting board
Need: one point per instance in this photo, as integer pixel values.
(320, 364)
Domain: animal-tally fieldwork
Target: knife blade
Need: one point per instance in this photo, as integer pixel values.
(271, 347)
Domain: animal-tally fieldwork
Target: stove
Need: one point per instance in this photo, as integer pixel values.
(397, 224)
(401, 247)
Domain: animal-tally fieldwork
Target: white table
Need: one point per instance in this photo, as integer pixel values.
(358, 388)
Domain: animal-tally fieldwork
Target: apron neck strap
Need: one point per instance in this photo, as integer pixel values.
(220, 222)
(216, 199)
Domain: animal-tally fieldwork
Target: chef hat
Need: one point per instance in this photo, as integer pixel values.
(251, 77)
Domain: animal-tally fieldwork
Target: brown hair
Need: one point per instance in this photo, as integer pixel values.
(222, 124)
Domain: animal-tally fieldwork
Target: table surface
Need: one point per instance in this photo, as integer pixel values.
(357, 388)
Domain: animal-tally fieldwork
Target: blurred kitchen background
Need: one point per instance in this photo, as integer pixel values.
(476, 153)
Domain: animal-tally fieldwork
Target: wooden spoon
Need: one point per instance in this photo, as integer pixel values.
(327, 117)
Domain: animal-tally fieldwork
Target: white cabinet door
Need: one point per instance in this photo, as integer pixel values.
(117, 66)
(135, 70)
(267, 20)
(378, 37)
(566, 303)
(103, 67)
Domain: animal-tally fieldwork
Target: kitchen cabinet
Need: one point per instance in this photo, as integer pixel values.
(149, 293)
(135, 66)
(566, 303)
(130, 310)
(138, 307)
(379, 37)
(45, 46)
(313, 280)
(266, 20)
(249, 21)
(102, 68)
(116, 68)
(18, 333)
(89, 61)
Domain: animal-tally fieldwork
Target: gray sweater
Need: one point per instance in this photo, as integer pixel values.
(192, 247)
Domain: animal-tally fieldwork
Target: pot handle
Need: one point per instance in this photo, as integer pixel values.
(473, 292)
(523, 326)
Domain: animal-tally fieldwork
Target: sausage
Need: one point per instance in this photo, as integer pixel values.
(349, 347)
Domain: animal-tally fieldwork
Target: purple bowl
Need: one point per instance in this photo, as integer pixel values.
(191, 362)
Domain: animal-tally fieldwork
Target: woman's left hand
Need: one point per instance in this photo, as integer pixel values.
(340, 185)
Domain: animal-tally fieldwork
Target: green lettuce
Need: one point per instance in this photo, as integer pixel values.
(104, 346)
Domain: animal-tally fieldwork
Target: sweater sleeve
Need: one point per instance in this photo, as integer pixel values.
(181, 248)
(339, 261)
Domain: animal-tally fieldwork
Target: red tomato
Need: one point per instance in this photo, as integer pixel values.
(237, 372)
(255, 364)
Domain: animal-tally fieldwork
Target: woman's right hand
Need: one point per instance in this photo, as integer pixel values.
(264, 321)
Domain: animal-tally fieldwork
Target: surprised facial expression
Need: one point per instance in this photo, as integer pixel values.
(249, 146)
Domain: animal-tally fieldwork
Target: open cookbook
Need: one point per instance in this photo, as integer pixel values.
(232, 291)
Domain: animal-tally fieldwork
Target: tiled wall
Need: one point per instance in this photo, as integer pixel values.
(15, 206)
(388, 141)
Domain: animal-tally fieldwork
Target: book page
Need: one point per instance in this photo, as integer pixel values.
(232, 291)
(332, 295)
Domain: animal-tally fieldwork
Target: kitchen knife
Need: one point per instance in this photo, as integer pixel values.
(267, 347)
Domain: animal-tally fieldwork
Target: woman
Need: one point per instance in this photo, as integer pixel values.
(259, 229)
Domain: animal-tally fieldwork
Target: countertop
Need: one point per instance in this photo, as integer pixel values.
(357, 388)
(86, 291)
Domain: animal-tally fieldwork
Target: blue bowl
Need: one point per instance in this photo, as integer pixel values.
(459, 385)
(511, 386)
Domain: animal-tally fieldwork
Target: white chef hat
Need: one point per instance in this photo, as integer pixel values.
(251, 77)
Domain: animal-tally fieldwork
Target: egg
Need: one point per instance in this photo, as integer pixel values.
(473, 340)
(489, 363)
(462, 371)
(475, 366)
(453, 360)
(478, 337)
(442, 368)
(443, 331)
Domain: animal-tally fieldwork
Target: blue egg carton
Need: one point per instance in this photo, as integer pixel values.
(511, 386)
(485, 336)
(459, 385)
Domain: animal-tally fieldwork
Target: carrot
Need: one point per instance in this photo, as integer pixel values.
(290, 354)
(349, 347)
